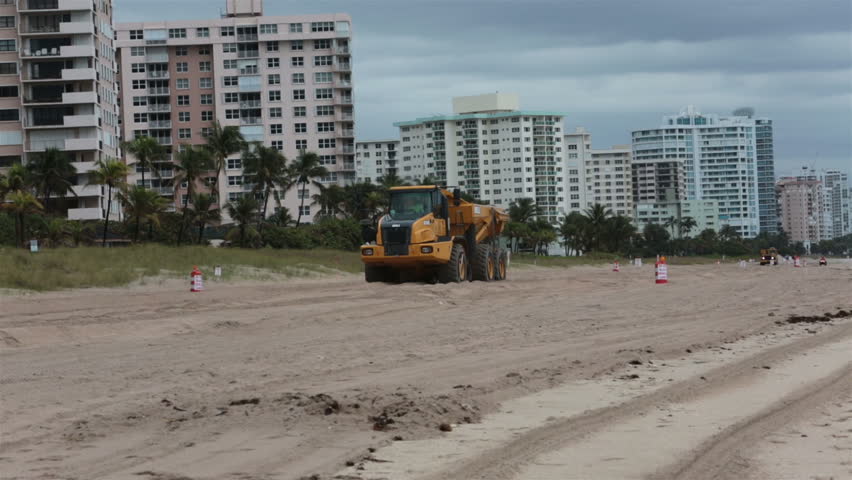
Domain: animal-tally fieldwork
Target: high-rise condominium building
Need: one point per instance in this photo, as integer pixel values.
(491, 149)
(376, 158)
(608, 179)
(721, 160)
(839, 202)
(58, 90)
(283, 81)
(578, 153)
(802, 206)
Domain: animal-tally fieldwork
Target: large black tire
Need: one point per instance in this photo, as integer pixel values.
(484, 265)
(502, 269)
(456, 270)
(375, 274)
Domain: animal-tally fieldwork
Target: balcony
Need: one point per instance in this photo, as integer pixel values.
(343, 50)
(73, 144)
(85, 214)
(39, 6)
(88, 190)
(79, 97)
(348, 166)
(163, 140)
(160, 124)
(251, 120)
(159, 107)
(346, 149)
(84, 167)
(67, 51)
(342, 67)
(76, 27)
(343, 100)
(248, 54)
(158, 91)
(79, 74)
(347, 133)
(344, 116)
(157, 57)
(80, 121)
(247, 37)
(158, 74)
(251, 70)
(164, 190)
(250, 104)
(340, 83)
(167, 174)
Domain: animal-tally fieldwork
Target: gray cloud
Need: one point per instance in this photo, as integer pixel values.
(612, 66)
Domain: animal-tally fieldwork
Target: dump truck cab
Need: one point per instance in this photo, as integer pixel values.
(769, 256)
(429, 230)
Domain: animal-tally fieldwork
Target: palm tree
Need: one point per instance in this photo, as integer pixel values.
(192, 163)
(147, 152)
(428, 180)
(20, 204)
(390, 180)
(523, 210)
(618, 232)
(56, 231)
(113, 174)
(596, 216)
(330, 198)
(268, 170)
(306, 168)
(223, 142)
(571, 230)
(686, 225)
(51, 172)
(671, 223)
(140, 202)
(78, 231)
(204, 212)
(243, 211)
(15, 180)
(727, 233)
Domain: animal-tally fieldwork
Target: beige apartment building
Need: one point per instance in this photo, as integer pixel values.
(58, 90)
(376, 158)
(801, 203)
(609, 179)
(284, 81)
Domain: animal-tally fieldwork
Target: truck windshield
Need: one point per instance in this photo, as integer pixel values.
(410, 205)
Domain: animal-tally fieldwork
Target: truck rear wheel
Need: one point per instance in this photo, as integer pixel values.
(455, 270)
(375, 274)
(502, 264)
(485, 265)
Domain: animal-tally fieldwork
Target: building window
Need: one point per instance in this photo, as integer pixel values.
(276, 129)
(323, 44)
(183, 100)
(326, 143)
(275, 95)
(324, 93)
(322, 26)
(294, 61)
(305, 210)
(226, 31)
(207, 99)
(206, 82)
(235, 163)
(295, 28)
(137, 51)
(181, 51)
(7, 22)
(301, 127)
(325, 110)
(7, 46)
(137, 35)
(323, 60)
(273, 79)
(202, 32)
(273, 62)
(232, 114)
(10, 115)
(183, 116)
(137, 68)
(138, 84)
(182, 83)
(300, 111)
(229, 64)
(323, 77)
(205, 66)
(275, 112)
(297, 45)
(271, 46)
(140, 101)
(8, 68)
(301, 144)
(325, 127)
(140, 117)
(177, 33)
(299, 94)
(232, 97)
(181, 67)
(298, 78)
(268, 28)
(230, 81)
(278, 145)
(207, 116)
(229, 47)
(205, 50)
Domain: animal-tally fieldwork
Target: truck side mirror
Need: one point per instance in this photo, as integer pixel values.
(445, 208)
(457, 196)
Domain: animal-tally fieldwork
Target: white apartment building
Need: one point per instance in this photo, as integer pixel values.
(721, 160)
(375, 159)
(609, 179)
(578, 152)
(491, 149)
(284, 81)
(838, 196)
(58, 90)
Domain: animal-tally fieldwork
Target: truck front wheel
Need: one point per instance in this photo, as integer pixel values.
(456, 269)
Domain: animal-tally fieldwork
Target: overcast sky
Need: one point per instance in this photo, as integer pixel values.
(611, 66)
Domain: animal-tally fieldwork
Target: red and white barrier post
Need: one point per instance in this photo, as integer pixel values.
(616, 267)
(197, 282)
(661, 271)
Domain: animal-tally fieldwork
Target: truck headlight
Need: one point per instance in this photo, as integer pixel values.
(367, 251)
(425, 249)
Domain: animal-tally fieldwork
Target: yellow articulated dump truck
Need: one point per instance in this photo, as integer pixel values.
(431, 233)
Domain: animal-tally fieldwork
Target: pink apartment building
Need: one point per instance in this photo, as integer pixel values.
(58, 89)
(801, 204)
(284, 81)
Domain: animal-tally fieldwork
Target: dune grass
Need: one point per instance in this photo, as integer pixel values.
(64, 268)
